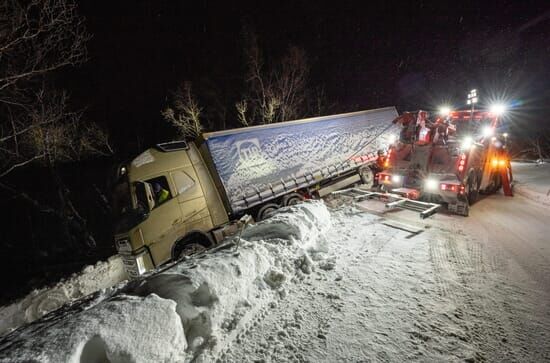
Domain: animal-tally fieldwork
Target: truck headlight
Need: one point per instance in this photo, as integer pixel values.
(431, 184)
(467, 143)
(396, 179)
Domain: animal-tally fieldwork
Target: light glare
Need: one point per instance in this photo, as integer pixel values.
(445, 111)
(498, 108)
(467, 143)
(488, 131)
(431, 184)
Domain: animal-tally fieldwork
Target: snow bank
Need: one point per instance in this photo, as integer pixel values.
(193, 309)
(127, 329)
(532, 180)
(38, 303)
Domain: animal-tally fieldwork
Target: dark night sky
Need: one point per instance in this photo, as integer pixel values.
(418, 54)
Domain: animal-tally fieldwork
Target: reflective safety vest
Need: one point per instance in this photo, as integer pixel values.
(163, 196)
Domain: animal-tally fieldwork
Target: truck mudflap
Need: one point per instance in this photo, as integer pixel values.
(393, 201)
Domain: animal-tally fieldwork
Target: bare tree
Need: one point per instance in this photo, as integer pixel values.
(538, 146)
(185, 113)
(290, 84)
(38, 38)
(275, 93)
(242, 107)
(318, 103)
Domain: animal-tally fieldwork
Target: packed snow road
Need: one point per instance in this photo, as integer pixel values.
(461, 289)
(345, 283)
(444, 289)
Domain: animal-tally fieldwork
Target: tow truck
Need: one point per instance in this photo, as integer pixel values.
(446, 161)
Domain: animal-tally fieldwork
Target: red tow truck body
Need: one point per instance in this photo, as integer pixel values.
(448, 160)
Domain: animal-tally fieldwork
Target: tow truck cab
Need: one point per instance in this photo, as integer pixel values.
(147, 227)
(449, 160)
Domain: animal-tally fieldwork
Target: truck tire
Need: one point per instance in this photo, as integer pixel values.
(291, 199)
(266, 211)
(473, 188)
(463, 209)
(495, 184)
(367, 176)
(191, 244)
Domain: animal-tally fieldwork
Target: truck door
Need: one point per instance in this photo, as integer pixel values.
(164, 213)
(192, 203)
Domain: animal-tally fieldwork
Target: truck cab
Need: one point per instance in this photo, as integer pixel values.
(448, 160)
(164, 201)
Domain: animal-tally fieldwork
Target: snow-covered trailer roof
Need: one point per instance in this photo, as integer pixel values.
(259, 163)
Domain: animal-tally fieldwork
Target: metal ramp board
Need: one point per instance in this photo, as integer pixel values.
(392, 201)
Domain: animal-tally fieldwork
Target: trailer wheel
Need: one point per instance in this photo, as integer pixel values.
(191, 244)
(367, 176)
(291, 199)
(266, 211)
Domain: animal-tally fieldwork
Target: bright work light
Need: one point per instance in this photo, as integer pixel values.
(498, 108)
(444, 111)
(467, 143)
(431, 184)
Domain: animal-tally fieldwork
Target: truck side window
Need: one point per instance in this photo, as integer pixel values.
(183, 181)
(161, 190)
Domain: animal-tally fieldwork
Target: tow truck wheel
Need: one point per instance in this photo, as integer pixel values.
(464, 209)
(473, 189)
(495, 184)
(266, 211)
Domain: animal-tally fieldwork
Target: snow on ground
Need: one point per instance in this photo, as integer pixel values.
(532, 181)
(189, 311)
(38, 303)
(392, 295)
(337, 284)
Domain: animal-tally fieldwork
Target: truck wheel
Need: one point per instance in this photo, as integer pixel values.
(367, 176)
(266, 211)
(464, 209)
(190, 245)
(291, 199)
(473, 189)
(495, 184)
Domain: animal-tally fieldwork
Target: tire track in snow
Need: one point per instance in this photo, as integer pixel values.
(498, 328)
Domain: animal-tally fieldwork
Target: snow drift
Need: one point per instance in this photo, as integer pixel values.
(190, 310)
(38, 303)
(533, 181)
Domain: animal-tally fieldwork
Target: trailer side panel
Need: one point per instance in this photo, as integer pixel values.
(251, 161)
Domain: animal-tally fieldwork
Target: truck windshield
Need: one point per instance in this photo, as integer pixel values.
(125, 215)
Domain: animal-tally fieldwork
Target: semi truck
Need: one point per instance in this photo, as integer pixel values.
(181, 197)
(448, 160)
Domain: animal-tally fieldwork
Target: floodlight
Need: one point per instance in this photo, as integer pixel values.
(445, 111)
(498, 108)
(467, 143)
